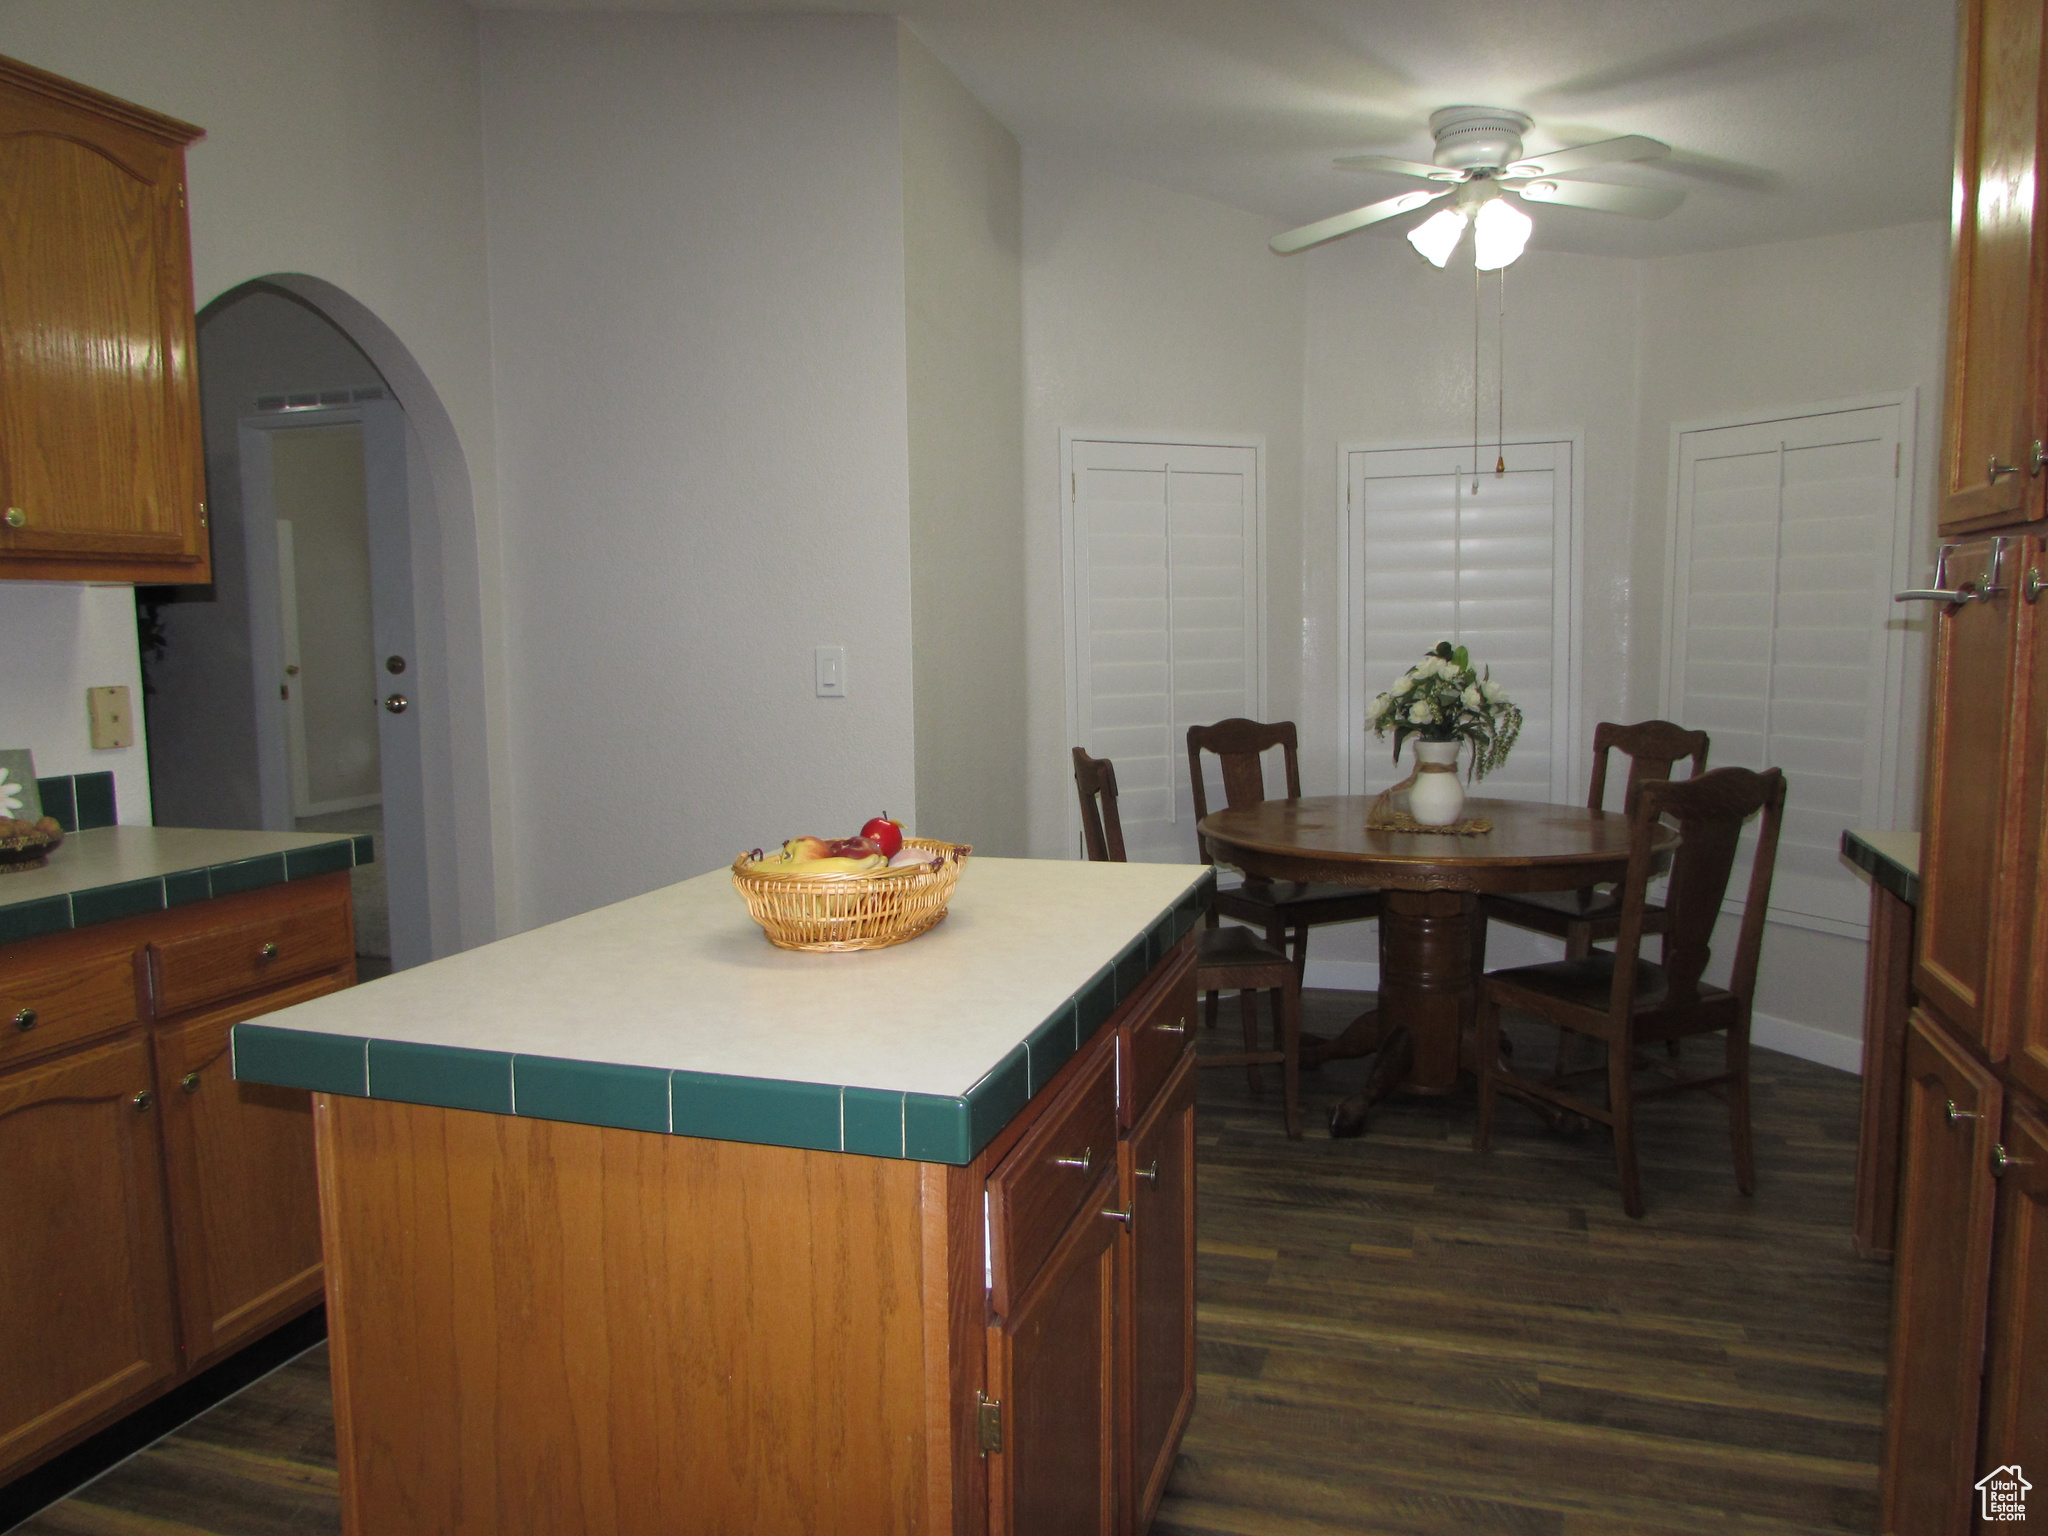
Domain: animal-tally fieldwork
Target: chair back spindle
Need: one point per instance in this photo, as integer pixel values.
(1653, 748)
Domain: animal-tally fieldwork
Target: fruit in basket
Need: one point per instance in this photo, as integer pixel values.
(885, 834)
(904, 858)
(805, 848)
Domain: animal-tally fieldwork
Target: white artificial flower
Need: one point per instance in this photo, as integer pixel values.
(1402, 685)
(1421, 713)
(1469, 698)
(10, 794)
(1493, 691)
(1378, 707)
(1429, 666)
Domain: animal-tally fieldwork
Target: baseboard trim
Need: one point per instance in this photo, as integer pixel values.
(1806, 1041)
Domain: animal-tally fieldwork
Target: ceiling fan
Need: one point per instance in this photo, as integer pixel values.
(1479, 153)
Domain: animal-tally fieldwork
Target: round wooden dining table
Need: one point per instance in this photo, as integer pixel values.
(1432, 882)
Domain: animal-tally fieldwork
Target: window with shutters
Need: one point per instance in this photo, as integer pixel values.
(1163, 551)
(1788, 537)
(1432, 552)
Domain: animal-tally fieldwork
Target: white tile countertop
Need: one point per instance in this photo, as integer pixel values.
(111, 872)
(681, 981)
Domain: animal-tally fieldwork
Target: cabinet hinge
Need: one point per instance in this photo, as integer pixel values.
(181, 194)
(988, 1424)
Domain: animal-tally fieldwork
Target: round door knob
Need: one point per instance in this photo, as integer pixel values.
(143, 1100)
(291, 671)
(394, 665)
(189, 1082)
(25, 1019)
(16, 518)
(267, 952)
(398, 703)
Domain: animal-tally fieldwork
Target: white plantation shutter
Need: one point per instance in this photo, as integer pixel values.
(1787, 538)
(1164, 618)
(1427, 557)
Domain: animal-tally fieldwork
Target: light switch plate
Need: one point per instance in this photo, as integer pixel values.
(830, 661)
(113, 724)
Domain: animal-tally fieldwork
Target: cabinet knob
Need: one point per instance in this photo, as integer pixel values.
(1958, 1116)
(397, 704)
(267, 952)
(189, 1082)
(1126, 1217)
(143, 1100)
(16, 518)
(1171, 1029)
(2030, 589)
(1084, 1162)
(2002, 1160)
(1150, 1175)
(1998, 471)
(25, 1019)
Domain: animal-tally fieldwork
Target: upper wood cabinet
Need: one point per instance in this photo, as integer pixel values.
(1997, 321)
(102, 474)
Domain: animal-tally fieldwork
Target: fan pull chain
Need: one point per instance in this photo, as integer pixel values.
(1500, 382)
(1477, 280)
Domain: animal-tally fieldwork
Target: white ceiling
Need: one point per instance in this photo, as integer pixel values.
(1785, 119)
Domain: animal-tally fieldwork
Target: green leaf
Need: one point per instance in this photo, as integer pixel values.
(1463, 658)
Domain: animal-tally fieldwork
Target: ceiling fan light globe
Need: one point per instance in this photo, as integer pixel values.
(1499, 233)
(1437, 236)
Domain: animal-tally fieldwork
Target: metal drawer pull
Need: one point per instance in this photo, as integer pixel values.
(1958, 1116)
(1171, 1029)
(1969, 591)
(25, 1019)
(1998, 471)
(1150, 1175)
(1084, 1162)
(143, 1100)
(2001, 1160)
(267, 952)
(189, 1082)
(1126, 1217)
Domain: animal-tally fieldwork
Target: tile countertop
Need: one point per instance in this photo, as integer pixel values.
(1892, 859)
(109, 872)
(672, 1012)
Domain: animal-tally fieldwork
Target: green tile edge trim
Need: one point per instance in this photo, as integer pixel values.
(180, 887)
(1888, 873)
(871, 1122)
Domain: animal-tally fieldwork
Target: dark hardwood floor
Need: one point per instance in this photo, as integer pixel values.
(1400, 1336)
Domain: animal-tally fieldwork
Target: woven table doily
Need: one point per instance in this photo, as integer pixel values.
(1401, 821)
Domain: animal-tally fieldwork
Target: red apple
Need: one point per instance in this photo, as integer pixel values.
(885, 834)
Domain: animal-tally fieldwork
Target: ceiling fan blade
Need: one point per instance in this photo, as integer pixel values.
(1583, 157)
(1329, 229)
(1639, 202)
(1394, 167)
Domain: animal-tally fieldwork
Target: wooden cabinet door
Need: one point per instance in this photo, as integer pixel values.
(1159, 1287)
(85, 1287)
(2016, 1395)
(1941, 1276)
(101, 470)
(245, 1203)
(1053, 1367)
(1970, 738)
(1988, 425)
(2027, 1048)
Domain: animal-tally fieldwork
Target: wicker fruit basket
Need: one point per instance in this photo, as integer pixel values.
(24, 846)
(836, 912)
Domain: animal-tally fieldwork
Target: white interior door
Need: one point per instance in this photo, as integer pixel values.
(375, 672)
(1788, 538)
(1432, 552)
(1165, 614)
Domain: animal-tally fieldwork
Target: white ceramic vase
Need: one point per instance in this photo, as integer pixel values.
(1436, 799)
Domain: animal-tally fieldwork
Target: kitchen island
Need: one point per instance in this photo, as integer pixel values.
(635, 1223)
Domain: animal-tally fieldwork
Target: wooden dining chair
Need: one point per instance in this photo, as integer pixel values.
(1231, 959)
(1624, 1000)
(1593, 916)
(1284, 910)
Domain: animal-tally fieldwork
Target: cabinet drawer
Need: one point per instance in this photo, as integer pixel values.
(43, 1008)
(261, 949)
(1155, 1035)
(1062, 1163)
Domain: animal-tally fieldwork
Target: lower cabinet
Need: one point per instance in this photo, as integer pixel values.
(1970, 1289)
(155, 1214)
(1091, 1355)
(86, 1325)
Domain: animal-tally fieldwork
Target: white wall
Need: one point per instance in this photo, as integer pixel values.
(342, 143)
(1152, 312)
(1757, 330)
(58, 640)
(697, 291)
(963, 277)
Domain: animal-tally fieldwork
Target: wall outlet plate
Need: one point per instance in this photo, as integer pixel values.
(113, 722)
